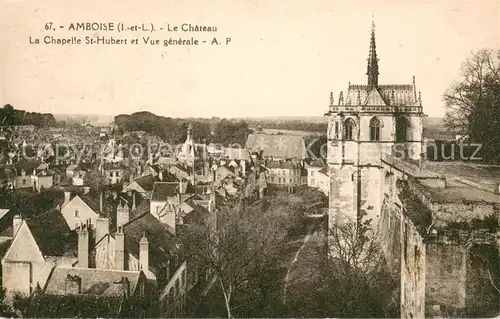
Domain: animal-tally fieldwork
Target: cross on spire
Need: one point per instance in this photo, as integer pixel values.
(372, 68)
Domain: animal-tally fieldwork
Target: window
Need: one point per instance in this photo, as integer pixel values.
(110, 174)
(77, 213)
(141, 291)
(349, 126)
(402, 126)
(375, 129)
(24, 182)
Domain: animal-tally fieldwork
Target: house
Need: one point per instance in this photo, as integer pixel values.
(23, 171)
(324, 181)
(92, 206)
(224, 172)
(317, 175)
(286, 173)
(180, 172)
(90, 292)
(43, 179)
(37, 246)
(148, 244)
(113, 172)
(162, 202)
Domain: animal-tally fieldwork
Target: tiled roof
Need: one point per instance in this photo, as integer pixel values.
(278, 146)
(236, 153)
(318, 162)
(282, 165)
(163, 190)
(101, 282)
(404, 94)
(93, 200)
(52, 234)
(147, 182)
(27, 166)
(142, 208)
(161, 241)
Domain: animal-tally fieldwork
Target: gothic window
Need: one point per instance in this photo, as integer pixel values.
(402, 126)
(375, 129)
(349, 126)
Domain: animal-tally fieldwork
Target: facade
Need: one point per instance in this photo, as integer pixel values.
(368, 121)
(37, 246)
(286, 173)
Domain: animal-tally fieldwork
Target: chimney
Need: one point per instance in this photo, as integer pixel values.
(120, 249)
(243, 165)
(125, 286)
(73, 285)
(160, 172)
(86, 190)
(101, 228)
(16, 224)
(83, 245)
(122, 213)
(133, 201)
(144, 252)
(101, 201)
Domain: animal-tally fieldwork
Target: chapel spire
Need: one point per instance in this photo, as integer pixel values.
(372, 69)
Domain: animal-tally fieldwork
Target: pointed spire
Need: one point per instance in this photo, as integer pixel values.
(331, 98)
(372, 68)
(414, 88)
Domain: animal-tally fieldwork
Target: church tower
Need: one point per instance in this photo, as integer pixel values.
(366, 122)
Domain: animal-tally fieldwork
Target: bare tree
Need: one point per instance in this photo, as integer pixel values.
(472, 103)
(238, 250)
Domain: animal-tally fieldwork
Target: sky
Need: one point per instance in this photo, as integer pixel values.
(284, 58)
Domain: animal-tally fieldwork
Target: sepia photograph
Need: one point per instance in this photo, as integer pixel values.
(250, 159)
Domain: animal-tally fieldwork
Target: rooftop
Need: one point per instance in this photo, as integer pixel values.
(52, 234)
(277, 146)
(161, 241)
(101, 282)
(163, 190)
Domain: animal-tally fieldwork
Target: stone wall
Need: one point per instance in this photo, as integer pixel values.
(342, 192)
(445, 279)
(482, 299)
(413, 271)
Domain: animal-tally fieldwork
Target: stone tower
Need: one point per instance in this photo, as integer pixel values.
(366, 122)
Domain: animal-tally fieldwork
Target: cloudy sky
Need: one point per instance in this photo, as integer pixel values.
(284, 58)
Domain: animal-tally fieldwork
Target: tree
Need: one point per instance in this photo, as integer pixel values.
(473, 103)
(350, 280)
(241, 252)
